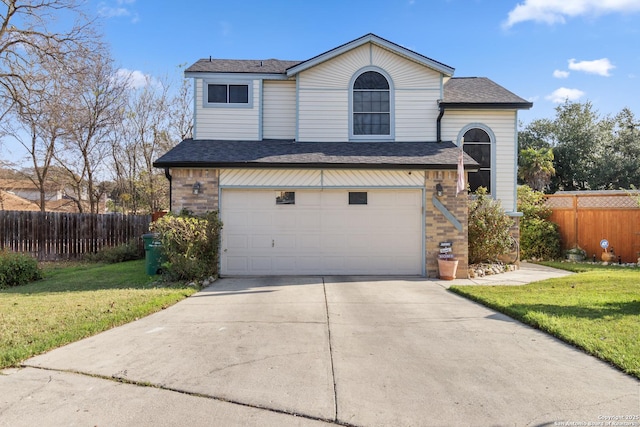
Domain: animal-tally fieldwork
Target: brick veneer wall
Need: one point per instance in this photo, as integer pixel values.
(182, 196)
(439, 229)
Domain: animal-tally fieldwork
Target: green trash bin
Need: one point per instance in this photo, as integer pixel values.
(152, 253)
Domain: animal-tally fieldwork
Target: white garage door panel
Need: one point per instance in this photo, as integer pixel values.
(321, 233)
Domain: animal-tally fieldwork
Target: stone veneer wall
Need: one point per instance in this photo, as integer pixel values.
(182, 196)
(439, 229)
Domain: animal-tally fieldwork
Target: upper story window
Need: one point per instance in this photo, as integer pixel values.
(227, 95)
(477, 144)
(371, 105)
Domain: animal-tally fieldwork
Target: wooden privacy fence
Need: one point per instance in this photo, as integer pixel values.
(60, 235)
(586, 218)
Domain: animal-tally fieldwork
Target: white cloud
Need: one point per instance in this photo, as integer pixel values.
(556, 11)
(564, 94)
(559, 74)
(118, 11)
(113, 12)
(136, 79)
(600, 67)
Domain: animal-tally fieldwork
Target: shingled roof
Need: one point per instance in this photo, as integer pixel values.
(287, 153)
(255, 66)
(480, 92)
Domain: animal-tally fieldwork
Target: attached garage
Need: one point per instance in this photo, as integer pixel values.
(322, 231)
(324, 208)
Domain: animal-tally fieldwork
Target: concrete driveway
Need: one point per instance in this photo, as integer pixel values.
(319, 351)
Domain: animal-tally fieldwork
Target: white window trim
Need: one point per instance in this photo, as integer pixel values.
(392, 117)
(205, 93)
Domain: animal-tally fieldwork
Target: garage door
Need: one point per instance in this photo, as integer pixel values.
(266, 232)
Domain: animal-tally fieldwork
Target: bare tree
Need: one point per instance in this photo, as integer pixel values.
(27, 28)
(100, 99)
(181, 113)
(40, 115)
(155, 121)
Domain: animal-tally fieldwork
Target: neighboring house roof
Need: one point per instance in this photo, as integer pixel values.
(26, 184)
(480, 92)
(11, 202)
(65, 205)
(287, 153)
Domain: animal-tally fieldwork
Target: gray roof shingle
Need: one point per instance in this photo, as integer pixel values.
(287, 153)
(258, 66)
(480, 91)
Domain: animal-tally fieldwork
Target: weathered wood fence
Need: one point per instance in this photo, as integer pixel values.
(586, 218)
(61, 236)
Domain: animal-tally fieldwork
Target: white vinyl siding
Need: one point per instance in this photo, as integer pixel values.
(416, 114)
(323, 115)
(227, 123)
(279, 110)
(503, 126)
(324, 95)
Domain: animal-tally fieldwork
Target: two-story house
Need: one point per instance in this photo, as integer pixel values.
(345, 163)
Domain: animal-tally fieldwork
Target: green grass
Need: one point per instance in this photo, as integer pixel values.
(597, 310)
(75, 301)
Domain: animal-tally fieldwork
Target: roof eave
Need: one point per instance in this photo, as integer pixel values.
(487, 105)
(232, 75)
(371, 38)
(278, 165)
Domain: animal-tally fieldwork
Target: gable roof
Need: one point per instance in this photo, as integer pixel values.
(288, 153)
(480, 92)
(376, 40)
(291, 68)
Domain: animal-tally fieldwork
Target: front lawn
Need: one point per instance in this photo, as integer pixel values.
(597, 310)
(74, 302)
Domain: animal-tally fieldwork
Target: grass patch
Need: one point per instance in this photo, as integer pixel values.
(74, 302)
(597, 310)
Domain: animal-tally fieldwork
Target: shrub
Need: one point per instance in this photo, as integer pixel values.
(17, 269)
(129, 251)
(489, 226)
(190, 245)
(539, 237)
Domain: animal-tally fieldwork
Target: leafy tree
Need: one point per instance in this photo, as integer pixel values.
(536, 167)
(578, 133)
(619, 165)
(538, 134)
(590, 152)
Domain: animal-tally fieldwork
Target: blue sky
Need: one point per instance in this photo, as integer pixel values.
(542, 50)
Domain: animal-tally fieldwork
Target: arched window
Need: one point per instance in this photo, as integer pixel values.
(477, 144)
(371, 106)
